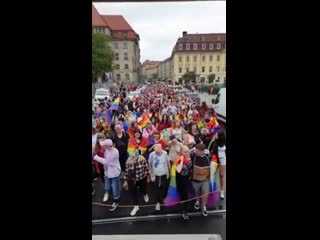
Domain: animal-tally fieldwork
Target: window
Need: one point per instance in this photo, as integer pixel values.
(211, 46)
(180, 59)
(180, 46)
(187, 69)
(118, 76)
(195, 58)
(187, 58)
(116, 56)
(210, 69)
(203, 46)
(203, 38)
(117, 67)
(210, 58)
(218, 38)
(224, 79)
(127, 77)
(115, 34)
(195, 46)
(125, 45)
(218, 68)
(218, 58)
(195, 69)
(203, 58)
(125, 56)
(188, 46)
(218, 45)
(126, 66)
(218, 80)
(115, 45)
(124, 34)
(180, 70)
(203, 68)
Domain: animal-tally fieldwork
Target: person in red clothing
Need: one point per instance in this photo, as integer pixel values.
(164, 123)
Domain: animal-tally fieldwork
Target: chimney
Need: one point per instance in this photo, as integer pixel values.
(184, 33)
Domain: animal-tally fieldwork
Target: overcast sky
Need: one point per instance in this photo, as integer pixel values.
(161, 24)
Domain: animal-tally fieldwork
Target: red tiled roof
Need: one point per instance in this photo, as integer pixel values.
(97, 20)
(117, 23)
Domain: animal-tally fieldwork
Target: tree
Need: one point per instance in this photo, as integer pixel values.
(101, 55)
(211, 78)
(189, 76)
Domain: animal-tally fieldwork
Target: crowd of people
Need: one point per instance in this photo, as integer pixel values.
(137, 141)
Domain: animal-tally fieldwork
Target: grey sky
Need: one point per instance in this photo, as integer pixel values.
(160, 24)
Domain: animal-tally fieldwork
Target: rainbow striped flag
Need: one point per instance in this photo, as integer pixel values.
(133, 145)
(173, 196)
(200, 124)
(109, 116)
(115, 104)
(143, 122)
(213, 198)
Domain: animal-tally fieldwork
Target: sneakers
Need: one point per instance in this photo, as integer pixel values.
(113, 207)
(204, 211)
(134, 211)
(146, 198)
(197, 205)
(185, 216)
(105, 197)
(158, 207)
(222, 194)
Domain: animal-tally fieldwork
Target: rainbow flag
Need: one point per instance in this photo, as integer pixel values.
(109, 116)
(173, 196)
(115, 104)
(143, 122)
(200, 124)
(213, 198)
(133, 145)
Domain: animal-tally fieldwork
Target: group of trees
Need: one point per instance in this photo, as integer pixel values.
(101, 55)
(191, 77)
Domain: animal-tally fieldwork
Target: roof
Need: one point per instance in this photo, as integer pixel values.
(150, 63)
(117, 23)
(208, 37)
(97, 20)
(210, 41)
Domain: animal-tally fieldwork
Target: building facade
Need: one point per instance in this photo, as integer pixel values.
(204, 54)
(149, 69)
(124, 44)
(165, 69)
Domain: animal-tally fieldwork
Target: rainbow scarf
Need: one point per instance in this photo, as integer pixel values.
(143, 122)
(115, 104)
(133, 145)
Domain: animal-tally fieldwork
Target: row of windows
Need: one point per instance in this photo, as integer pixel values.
(116, 45)
(203, 58)
(115, 34)
(99, 29)
(127, 76)
(203, 69)
(117, 66)
(212, 46)
(203, 79)
(125, 56)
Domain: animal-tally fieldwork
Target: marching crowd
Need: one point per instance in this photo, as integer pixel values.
(152, 137)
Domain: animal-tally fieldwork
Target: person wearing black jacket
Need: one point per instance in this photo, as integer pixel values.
(121, 139)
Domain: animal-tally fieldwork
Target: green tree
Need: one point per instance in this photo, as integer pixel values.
(101, 55)
(211, 78)
(189, 76)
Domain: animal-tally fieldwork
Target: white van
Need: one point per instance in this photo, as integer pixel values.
(101, 94)
(177, 88)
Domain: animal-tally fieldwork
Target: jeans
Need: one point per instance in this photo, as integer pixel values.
(113, 183)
